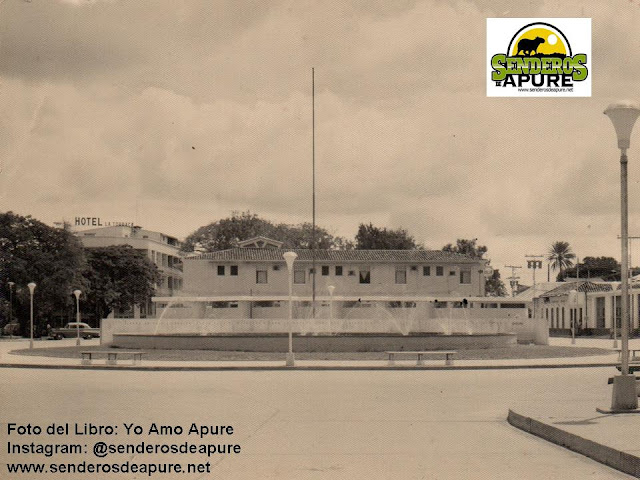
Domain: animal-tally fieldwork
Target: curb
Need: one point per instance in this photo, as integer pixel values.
(625, 462)
(178, 368)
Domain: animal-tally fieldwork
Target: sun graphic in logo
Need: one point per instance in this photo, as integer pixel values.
(540, 40)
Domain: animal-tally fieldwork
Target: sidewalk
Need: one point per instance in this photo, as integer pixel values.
(613, 440)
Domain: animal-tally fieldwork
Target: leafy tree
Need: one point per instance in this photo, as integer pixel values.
(466, 247)
(301, 236)
(493, 286)
(227, 232)
(52, 258)
(119, 276)
(606, 268)
(374, 238)
(560, 256)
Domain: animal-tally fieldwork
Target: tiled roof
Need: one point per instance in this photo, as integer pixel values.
(580, 287)
(634, 285)
(529, 293)
(305, 255)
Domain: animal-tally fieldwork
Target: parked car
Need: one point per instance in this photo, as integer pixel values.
(11, 329)
(70, 330)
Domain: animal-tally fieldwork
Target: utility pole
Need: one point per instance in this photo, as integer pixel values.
(513, 279)
(534, 264)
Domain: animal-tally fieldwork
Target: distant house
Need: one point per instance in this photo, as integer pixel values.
(580, 303)
(257, 267)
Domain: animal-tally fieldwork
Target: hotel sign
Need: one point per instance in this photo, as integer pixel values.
(98, 222)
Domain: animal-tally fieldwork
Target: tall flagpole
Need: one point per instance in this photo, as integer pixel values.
(313, 207)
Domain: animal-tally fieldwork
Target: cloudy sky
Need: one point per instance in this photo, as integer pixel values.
(173, 114)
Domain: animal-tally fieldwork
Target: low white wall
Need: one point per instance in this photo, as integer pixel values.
(445, 321)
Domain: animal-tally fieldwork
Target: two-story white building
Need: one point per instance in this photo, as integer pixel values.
(163, 250)
(252, 270)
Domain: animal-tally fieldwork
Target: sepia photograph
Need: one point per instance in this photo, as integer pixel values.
(319, 239)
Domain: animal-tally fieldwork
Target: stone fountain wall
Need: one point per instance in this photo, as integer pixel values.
(314, 343)
(452, 321)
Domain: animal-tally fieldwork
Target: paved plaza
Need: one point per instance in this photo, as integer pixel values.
(318, 424)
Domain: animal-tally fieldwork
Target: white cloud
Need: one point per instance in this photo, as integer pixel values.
(195, 111)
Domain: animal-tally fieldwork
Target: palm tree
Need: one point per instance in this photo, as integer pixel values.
(561, 256)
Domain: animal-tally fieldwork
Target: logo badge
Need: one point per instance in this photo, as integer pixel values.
(549, 57)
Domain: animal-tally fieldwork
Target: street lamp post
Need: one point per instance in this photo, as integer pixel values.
(331, 288)
(615, 322)
(11, 284)
(32, 287)
(623, 115)
(77, 294)
(290, 257)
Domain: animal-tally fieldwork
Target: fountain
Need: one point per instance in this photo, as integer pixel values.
(340, 325)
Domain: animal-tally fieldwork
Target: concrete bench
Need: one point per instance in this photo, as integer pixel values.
(447, 354)
(633, 356)
(112, 356)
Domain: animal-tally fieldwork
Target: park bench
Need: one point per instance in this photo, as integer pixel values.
(447, 354)
(112, 356)
(634, 354)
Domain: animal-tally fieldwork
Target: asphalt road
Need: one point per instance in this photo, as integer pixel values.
(302, 424)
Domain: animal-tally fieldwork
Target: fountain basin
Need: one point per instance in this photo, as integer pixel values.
(342, 342)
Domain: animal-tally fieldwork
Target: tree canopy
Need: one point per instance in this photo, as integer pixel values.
(227, 232)
(606, 268)
(494, 286)
(52, 258)
(466, 247)
(119, 276)
(375, 238)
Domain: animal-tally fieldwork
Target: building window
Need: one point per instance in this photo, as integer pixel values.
(261, 276)
(452, 273)
(439, 271)
(401, 275)
(465, 276)
(338, 270)
(233, 270)
(299, 276)
(220, 269)
(325, 270)
(426, 271)
(365, 276)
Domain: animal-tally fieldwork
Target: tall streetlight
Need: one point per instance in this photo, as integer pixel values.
(32, 287)
(77, 294)
(11, 284)
(331, 288)
(623, 115)
(290, 257)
